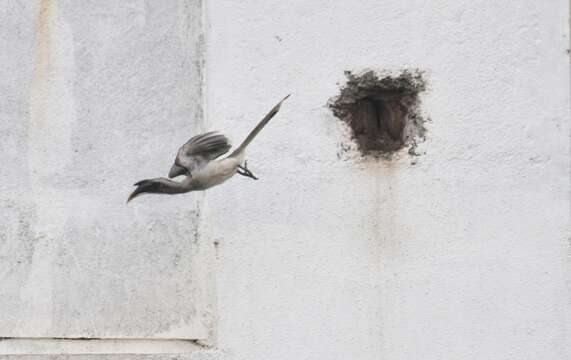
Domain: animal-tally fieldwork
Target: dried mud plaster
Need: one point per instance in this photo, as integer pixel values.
(382, 111)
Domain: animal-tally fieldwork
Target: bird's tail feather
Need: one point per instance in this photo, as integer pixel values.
(258, 128)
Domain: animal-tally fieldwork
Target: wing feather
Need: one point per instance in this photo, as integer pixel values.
(198, 151)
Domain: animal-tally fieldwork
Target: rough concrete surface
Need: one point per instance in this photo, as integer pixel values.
(464, 255)
(95, 98)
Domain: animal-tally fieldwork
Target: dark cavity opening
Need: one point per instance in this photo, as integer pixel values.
(382, 112)
(378, 122)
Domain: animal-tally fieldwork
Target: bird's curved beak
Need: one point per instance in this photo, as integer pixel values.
(143, 186)
(138, 191)
(177, 170)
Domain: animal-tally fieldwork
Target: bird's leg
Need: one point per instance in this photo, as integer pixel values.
(245, 172)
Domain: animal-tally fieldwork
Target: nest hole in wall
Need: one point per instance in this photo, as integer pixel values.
(382, 110)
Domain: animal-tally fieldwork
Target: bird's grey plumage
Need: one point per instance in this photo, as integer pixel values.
(198, 160)
(198, 151)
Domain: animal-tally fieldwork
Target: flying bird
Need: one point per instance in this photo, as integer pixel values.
(197, 160)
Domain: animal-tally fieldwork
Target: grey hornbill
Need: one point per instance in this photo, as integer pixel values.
(197, 161)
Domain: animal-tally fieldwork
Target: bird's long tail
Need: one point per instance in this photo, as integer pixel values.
(258, 128)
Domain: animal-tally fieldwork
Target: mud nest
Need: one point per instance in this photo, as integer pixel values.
(382, 110)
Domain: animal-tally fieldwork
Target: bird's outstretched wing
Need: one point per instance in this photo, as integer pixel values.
(198, 151)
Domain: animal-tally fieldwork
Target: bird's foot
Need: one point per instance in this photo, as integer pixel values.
(245, 172)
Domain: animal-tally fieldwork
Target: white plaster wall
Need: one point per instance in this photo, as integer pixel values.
(91, 98)
(464, 255)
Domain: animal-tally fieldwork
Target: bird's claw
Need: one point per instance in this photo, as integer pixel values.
(245, 172)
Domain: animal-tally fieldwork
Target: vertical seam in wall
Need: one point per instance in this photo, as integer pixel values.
(205, 235)
(203, 62)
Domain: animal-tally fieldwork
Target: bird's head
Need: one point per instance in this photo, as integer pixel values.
(144, 186)
(160, 186)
